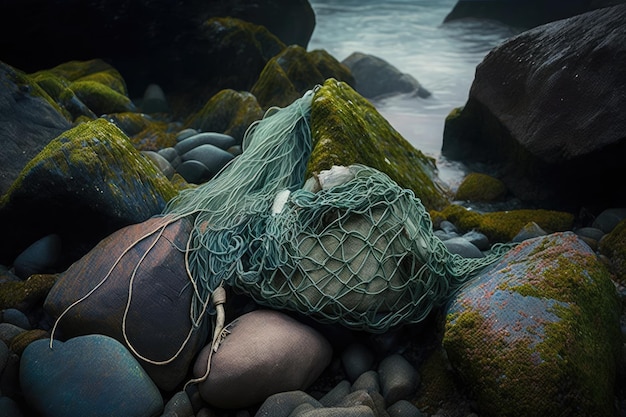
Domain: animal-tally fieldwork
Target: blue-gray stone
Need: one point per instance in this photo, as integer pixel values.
(154, 100)
(8, 331)
(163, 164)
(178, 406)
(609, 218)
(4, 355)
(211, 156)
(16, 317)
(448, 227)
(590, 233)
(356, 359)
(398, 378)
(283, 403)
(404, 408)
(193, 172)
(477, 239)
(40, 257)
(170, 154)
(185, 133)
(219, 140)
(463, 247)
(90, 375)
(336, 395)
(367, 381)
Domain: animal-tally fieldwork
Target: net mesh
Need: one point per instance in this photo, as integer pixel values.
(350, 246)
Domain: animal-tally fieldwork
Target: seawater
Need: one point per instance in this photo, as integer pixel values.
(411, 35)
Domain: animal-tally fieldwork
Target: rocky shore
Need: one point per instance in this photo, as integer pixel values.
(97, 312)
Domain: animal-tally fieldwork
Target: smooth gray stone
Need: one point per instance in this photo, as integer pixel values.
(477, 239)
(154, 100)
(398, 378)
(185, 133)
(361, 397)
(169, 153)
(448, 227)
(530, 231)
(163, 164)
(220, 140)
(356, 359)
(609, 218)
(302, 409)
(193, 172)
(356, 411)
(16, 317)
(179, 406)
(336, 395)
(8, 331)
(283, 403)
(4, 355)
(590, 232)
(404, 408)
(39, 257)
(367, 381)
(463, 247)
(211, 156)
(443, 236)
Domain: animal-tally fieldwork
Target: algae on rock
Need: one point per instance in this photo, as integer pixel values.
(347, 129)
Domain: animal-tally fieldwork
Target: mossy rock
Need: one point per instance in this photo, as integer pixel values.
(25, 294)
(91, 70)
(85, 184)
(502, 226)
(292, 72)
(156, 135)
(19, 342)
(130, 123)
(229, 111)
(613, 246)
(347, 129)
(99, 98)
(480, 187)
(438, 385)
(538, 333)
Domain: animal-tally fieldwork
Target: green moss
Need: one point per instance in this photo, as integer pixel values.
(347, 129)
(571, 371)
(613, 246)
(502, 226)
(437, 383)
(100, 149)
(23, 294)
(156, 135)
(456, 112)
(480, 187)
(99, 98)
(229, 111)
(91, 70)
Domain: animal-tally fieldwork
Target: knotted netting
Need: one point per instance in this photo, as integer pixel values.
(349, 245)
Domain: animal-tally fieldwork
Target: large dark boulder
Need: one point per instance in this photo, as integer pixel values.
(547, 108)
(147, 41)
(525, 14)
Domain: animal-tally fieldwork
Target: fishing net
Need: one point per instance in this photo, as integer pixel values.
(347, 246)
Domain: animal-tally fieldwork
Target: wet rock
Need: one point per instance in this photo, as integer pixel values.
(157, 319)
(573, 157)
(86, 374)
(39, 258)
(509, 331)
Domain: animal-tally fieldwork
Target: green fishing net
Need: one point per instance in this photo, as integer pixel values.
(347, 245)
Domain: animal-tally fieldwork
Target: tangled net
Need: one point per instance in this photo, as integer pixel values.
(349, 246)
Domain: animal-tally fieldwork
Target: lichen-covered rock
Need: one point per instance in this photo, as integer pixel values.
(480, 187)
(99, 98)
(538, 332)
(29, 119)
(567, 70)
(85, 184)
(292, 72)
(156, 321)
(230, 112)
(502, 226)
(347, 129)
(613, 246)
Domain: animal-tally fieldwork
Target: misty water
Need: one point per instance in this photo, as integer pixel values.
(411, 35)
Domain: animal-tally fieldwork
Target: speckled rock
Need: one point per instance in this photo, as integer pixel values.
(85, 184)
(158, 316)
(88, 375)
(538, 332)
(347, 129)
(266, 352)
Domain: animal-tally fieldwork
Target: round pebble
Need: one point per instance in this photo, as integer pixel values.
(463, 247)
(40, 257)
(219, 140)
(16, 317)
(398, 378)
(356, 359)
